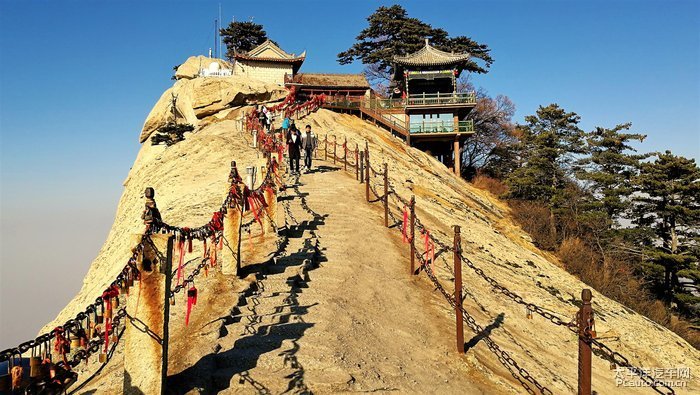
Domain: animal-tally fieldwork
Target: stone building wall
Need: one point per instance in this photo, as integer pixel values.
(269, 72)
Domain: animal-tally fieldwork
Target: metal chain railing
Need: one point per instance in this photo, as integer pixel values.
(603, 350)
(614, 357)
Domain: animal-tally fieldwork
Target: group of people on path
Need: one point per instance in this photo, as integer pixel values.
(298, 142)
(265, 117)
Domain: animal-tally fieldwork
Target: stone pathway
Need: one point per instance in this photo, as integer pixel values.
(337, 311)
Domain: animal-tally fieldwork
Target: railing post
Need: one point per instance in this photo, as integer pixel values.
(143, 348)
(335, 147)
(386, 195)
(357, 164)
(362, 166)
(412, 207)
(584, 320)
(367, 173)
(345, 157)
(326, 149)
(457, 248)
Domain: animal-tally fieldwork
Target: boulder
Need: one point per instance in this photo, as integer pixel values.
(190, 69)
(204, 96)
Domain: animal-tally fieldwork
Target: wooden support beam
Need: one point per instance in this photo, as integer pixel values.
(458, 158)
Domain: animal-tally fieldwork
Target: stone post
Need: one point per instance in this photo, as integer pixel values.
(146, 335)
(230, 255)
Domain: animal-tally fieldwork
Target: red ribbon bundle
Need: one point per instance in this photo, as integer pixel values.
(212, 251)
(217, 222)
(181, 258)
(255, 202)
(191, 301)
(107, 295)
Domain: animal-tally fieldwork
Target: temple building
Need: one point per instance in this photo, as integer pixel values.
(333, 85)
(268, 63)
(435, 112)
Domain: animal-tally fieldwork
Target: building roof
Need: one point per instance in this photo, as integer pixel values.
(431, 56)
(269, 52)
(331, 80)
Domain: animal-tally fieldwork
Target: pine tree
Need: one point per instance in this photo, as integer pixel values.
(549, 142)
(606, 174)
(241, 37)
(391, 32)
(667, 207)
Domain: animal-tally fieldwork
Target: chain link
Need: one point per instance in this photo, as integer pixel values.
(618, 359)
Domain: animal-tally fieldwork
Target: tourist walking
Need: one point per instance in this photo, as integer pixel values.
(308, 143)
(262, 118)
(293, 148)
(268, 119)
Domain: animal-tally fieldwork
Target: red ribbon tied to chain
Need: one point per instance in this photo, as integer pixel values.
(181, 259)
(61, 345)
(191, 301)
(217, 222)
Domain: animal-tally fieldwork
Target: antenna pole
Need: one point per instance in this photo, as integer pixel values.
(217, 32)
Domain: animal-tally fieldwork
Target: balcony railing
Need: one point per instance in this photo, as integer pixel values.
(465, 126)
(439, 126)
(386, 104)
(432, 99)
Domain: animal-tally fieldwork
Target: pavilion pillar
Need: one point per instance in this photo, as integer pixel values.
(458, 157)
(408, 130)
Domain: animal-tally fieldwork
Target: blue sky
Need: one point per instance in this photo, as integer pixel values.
(77, 79)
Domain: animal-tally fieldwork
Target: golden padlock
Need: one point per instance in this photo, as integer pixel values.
(102, 358)
(108, 310)
(75, 342)
(35, 367)
(172, 301)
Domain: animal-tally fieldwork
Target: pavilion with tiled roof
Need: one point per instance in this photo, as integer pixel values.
(268, 62)
(435, 113)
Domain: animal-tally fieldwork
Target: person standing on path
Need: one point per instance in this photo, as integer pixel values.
(268, 119)
(308, 143)
(293, 148)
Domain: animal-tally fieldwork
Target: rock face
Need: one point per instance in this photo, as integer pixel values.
(200, 97)
(364, 310)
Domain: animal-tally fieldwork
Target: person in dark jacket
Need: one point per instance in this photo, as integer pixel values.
(294, 150)
(308, 144)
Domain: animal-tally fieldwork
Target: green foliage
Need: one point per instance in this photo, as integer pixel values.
(623, 207)
(391, 32)
(241, 37)
(609, 169)
(667, 205)
(171, 133)
(549, 142)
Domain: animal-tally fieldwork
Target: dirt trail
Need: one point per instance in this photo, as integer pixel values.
(337, 313)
